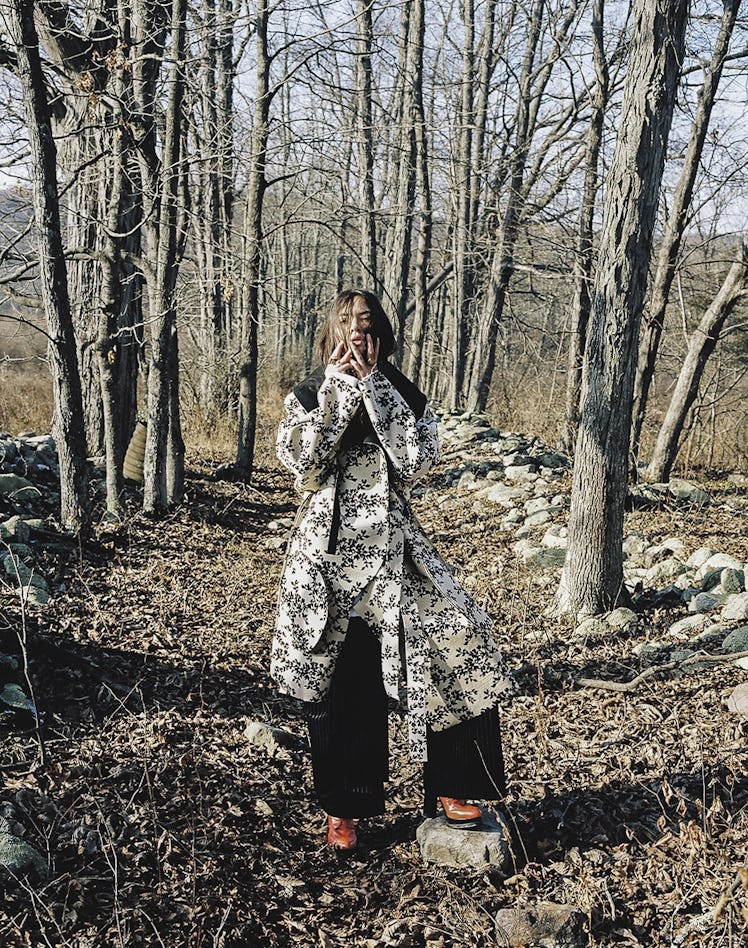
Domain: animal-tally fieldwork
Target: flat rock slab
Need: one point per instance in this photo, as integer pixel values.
(546, 925)
(269, 738)
(486, 845)
(738, 701)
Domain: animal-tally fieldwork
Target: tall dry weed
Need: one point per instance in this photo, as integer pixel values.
(25, 397)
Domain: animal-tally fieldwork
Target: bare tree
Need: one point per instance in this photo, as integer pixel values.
(701, 345)
(592, 579)
(68, 406)
(677, 221)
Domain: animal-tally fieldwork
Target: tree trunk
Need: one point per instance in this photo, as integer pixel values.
(369, 277)
(67, 423)
(701, 345)
(583, 260)
(677, 221)
(164, 451)
(256, 186)
(592, 580)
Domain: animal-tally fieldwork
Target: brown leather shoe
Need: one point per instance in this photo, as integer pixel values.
(341, 833)
(461, 814)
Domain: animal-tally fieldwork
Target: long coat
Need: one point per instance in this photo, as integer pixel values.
(354, 447)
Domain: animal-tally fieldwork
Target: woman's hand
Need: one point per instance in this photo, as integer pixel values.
(360, 361)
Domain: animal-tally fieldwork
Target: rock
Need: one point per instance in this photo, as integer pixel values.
(545, 925)
(14, 530)
(690, 624)
(556, 538)
(732, 581)
(534, 555)
(704, 602)
(466, 480)
(487, 845)
(738, 700)
(684, 490)
(737, 640)
(13, 696)
(17, 857)
(664, 572)
(736, 607)
(591, 629)
(38, 595)
(524, 531)
(552, 459)
(538, 519)
(17, 488)
(699, 557)
(20, 574)
(634, 546)
(501, 494)
(269, 738)
(521, 472)
(718, 561)
(620, 619)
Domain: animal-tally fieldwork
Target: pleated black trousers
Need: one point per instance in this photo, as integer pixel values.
(350, 754)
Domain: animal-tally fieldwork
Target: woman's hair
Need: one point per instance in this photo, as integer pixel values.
(342, 306)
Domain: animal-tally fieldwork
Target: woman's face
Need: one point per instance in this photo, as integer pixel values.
(353, 330)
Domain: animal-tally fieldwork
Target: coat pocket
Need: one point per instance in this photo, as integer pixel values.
(303, 603)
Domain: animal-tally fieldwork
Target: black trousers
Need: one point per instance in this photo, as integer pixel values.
(350, 754)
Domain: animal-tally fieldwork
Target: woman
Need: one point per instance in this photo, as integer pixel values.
(363, 592)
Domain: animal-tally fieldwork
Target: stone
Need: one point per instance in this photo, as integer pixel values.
(17, 488)
(13, 696)
(480, 848)
(621, 618)
(684, 490)
(590, 629)
(688, 625)
(501, 494)
(718, 561)
(552, 459)
(524, 531)
(556, 538)
(732, 580)
(20, 574)
(517, 459)
(534, 555)
(704, 602)
(269, 738)
(699, 557)
(543, 925)
(737, 640)
(738, 700)
(18, 858)
(538, 519)
(466, 480)
(664, 572)
(521, 472)
(735, 608)
(14, 529)
(634, 546)
(38, 595)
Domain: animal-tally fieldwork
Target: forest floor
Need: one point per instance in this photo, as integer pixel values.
(164, 827)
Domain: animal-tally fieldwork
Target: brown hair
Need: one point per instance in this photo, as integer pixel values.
(381, 327)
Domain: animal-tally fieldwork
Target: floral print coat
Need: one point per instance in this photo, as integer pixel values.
(354, 447)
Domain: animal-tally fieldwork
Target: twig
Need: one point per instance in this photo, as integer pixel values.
(624, 686)
(22, 636)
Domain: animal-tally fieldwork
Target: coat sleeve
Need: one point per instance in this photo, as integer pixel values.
(308, 440)
(411, 443)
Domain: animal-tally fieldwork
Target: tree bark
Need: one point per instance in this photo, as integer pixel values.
(583, 259)
(68, 427)
(163, 465)
(364, 111)
(592, 579)
(256, 186)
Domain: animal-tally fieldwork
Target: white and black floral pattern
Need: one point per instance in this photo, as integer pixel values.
(357, 545)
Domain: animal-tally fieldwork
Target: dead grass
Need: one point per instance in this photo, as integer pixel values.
(26, 399)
